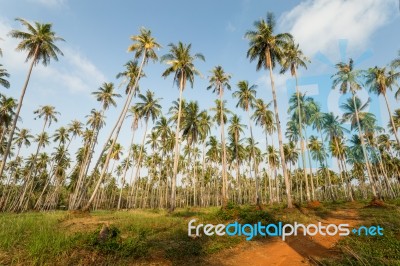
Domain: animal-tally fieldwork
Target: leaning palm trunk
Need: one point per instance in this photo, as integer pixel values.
(371, 180)
(140, 153)
(30, 181)
(391, 119)
(126, 169)
(16, 115)
(118, 128)
(176, 150)
(278, 125)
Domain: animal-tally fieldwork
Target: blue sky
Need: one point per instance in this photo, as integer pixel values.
(97, 36)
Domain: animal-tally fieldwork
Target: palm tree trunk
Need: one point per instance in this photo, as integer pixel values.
(126, 169)
(176, 152)
(118, 128)
(224, 177)
(310, 170)
(139, 164)
(278, 125)
(303, 157)
(16, 115)
(371, 180)
(391, 119)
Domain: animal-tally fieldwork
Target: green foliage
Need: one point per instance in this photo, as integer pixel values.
(136, 246)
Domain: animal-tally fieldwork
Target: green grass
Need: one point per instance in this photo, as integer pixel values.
(143, 236)
(373, 250)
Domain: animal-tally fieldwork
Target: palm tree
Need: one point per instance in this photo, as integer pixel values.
(129, 75)
(143, 46)
(181, 64)
(205, 129)
(347, 79)
(39, 43)
(266, 48)
(379, 81)
(3, 73)
(106, 95)
(49, 113)
(292, 60)
(148, 108)
(264, 117)
(247, 97)
(235, 129)
(7, 107)
(219, 81)
(23, 137)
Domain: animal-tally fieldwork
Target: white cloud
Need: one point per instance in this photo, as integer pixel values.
(50, 3)
(74, 72)
(318, 24)
(279, 80)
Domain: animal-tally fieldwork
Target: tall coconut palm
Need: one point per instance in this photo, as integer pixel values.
(205, 129)
(348, 79)
(23, 137)
(298, 107)
(49, 114)
(266, 48)
(144, 46)
(264, 117)
(38, 41)
(181, 65)
(106, 96)
(219, 81)
(7, 113)
(4, 74)
(293, 59)
(235, 129)
(247, 97)
(129, 75)
(148, 108)
(379, 81)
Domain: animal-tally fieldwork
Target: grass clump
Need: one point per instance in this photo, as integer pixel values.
(111, 242)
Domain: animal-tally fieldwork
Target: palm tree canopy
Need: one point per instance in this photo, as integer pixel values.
(219, 80)
(106, 95)
(265, 47)
(144, 45)
(38, 41)
(95, 119)
(263, 116)
(347, 78)
(48, 112)
(349, 109)
(181, 63)
(220, 106)
(236, 128)
(149, 107)
(293, 58)
(246, 95)
(130, 74)
(380, 79)
(4, 74)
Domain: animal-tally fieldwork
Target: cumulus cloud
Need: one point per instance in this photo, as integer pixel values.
(318, 24)
(76, 73)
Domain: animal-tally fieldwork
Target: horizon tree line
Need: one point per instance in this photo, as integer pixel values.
(212, 170)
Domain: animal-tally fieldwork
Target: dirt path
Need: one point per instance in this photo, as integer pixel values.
(296, 250)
